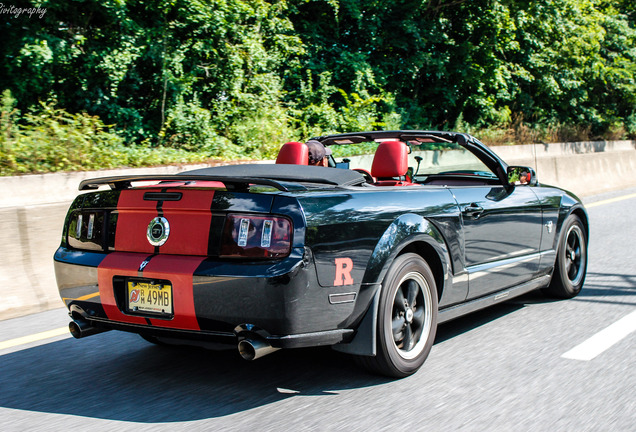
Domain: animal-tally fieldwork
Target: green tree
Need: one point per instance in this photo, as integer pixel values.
(236, 78)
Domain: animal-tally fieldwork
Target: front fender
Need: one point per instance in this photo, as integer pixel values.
(570, 204)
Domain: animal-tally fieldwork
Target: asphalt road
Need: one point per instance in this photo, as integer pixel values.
(499, 369)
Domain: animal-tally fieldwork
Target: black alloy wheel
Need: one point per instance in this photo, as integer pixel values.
(407, 318)
(571, 262)
(411, 315)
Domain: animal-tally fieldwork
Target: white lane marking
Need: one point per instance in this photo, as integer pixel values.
(604, 339)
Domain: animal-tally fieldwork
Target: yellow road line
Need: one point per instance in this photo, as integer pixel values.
(86, 297)
(34, 338)
(610, 201)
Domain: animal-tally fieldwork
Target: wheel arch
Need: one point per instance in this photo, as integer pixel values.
(432, 258)
(572, 205)
(410, 233)
(582, 214)
(566, 211)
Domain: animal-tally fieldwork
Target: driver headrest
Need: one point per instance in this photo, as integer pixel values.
(391, 159)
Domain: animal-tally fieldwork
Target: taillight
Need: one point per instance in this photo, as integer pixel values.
(86, 230)
(249, 236)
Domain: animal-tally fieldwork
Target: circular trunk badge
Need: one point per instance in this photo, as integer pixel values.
(158, 231)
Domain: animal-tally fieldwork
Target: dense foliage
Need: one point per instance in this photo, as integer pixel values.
(54, 140)
(236, 78)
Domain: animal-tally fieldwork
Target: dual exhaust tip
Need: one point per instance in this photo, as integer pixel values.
(249, 348)
(252, 349)
(80, 328)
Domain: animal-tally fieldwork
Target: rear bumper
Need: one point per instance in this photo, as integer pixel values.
(212, 298)
(329, 337)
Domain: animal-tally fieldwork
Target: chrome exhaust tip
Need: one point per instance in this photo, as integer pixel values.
(81, 328)
(252, 349)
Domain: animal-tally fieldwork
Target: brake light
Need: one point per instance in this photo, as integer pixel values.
(249, 236)
(86, 230)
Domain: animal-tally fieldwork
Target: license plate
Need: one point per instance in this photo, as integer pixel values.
(149, 297)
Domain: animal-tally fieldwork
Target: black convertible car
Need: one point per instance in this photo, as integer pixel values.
(366, 255)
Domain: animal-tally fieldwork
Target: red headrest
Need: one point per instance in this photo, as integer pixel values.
(294, 153)
(391, 159)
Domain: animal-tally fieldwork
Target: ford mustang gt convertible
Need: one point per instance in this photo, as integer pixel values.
(367, 255)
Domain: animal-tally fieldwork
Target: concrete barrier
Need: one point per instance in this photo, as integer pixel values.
(32, 212)
(33, 207)
(29, 236)
(585, 168)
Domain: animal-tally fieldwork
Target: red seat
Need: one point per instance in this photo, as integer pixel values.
(390, 164)
(293, 153)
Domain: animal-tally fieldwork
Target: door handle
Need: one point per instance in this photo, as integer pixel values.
(473, 211)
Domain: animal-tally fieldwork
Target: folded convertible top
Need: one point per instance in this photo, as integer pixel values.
(289, 173)
(281, 177)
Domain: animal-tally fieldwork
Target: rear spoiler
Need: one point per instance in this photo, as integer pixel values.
(231, 183)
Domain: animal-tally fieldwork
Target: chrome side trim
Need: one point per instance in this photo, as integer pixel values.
(453, 312)
(481, 270)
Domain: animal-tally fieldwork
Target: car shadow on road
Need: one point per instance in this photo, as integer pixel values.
(119, 376)
(612, 288)
(474, 320)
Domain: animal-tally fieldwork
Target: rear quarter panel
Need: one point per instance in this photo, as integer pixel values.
(355, 235)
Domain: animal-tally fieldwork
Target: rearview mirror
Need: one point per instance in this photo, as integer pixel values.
(520, 175)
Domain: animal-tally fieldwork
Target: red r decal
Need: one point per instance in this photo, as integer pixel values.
(343, 272)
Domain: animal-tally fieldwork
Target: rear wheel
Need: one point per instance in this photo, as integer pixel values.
(571, 262)
(407, 318)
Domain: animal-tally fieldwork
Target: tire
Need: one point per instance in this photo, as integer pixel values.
(407, 318)
(571, 261)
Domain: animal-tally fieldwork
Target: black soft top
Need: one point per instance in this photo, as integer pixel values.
(285, 173)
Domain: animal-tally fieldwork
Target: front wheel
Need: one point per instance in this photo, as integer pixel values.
(571, 261)
(407, 318)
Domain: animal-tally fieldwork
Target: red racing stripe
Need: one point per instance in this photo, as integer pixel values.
(132, 222)
(117, 264)
(176, 269)
(189, 220)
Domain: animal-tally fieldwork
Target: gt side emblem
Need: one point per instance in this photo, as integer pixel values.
(343, 272)
(158, 231)
(548, 225)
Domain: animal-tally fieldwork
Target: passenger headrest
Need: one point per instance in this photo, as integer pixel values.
(294, 153)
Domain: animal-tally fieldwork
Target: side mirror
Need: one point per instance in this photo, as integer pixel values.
(520, 175)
